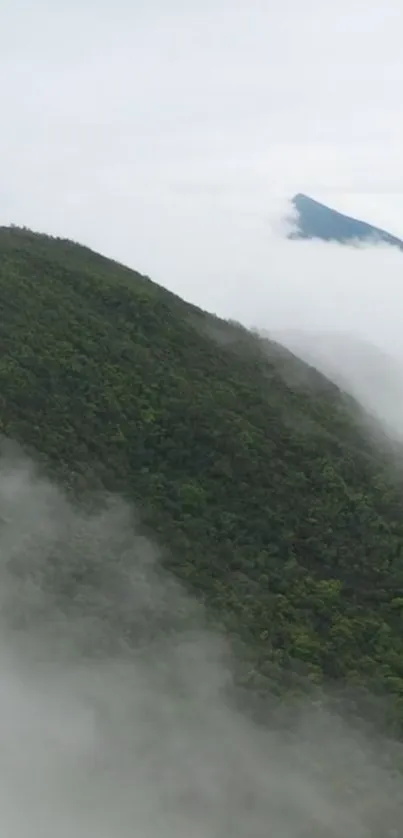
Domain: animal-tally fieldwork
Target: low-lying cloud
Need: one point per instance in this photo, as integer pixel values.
(115, 718)
(339, 307)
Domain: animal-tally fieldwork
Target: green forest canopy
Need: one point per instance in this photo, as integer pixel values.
(273, 504)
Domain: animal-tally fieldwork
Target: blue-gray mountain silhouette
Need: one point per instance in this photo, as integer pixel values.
(317, 221)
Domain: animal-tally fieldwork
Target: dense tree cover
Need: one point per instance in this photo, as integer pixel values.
(273, 504)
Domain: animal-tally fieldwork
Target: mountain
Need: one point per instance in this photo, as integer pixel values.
(272, 504)
(317, 221)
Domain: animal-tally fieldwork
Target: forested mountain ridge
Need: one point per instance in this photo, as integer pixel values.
(272, 503)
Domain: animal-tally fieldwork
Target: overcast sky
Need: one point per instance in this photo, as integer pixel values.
(169, 134)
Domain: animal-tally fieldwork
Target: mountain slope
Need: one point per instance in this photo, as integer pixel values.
(272, 504)
(317, 221)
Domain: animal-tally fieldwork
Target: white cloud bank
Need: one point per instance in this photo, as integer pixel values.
(113, 716)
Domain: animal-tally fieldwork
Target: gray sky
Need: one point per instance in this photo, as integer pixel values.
(168, 135)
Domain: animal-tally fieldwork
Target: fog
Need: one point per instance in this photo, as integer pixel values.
(115, 710)
(170, 137)
(338, 307)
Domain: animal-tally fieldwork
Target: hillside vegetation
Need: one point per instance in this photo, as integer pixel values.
(273, 505)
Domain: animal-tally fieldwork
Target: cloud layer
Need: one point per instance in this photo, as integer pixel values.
(115, 718)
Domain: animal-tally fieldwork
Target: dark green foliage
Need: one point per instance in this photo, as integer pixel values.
(272, 503)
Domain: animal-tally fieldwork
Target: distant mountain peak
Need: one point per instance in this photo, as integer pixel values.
(315, 220)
